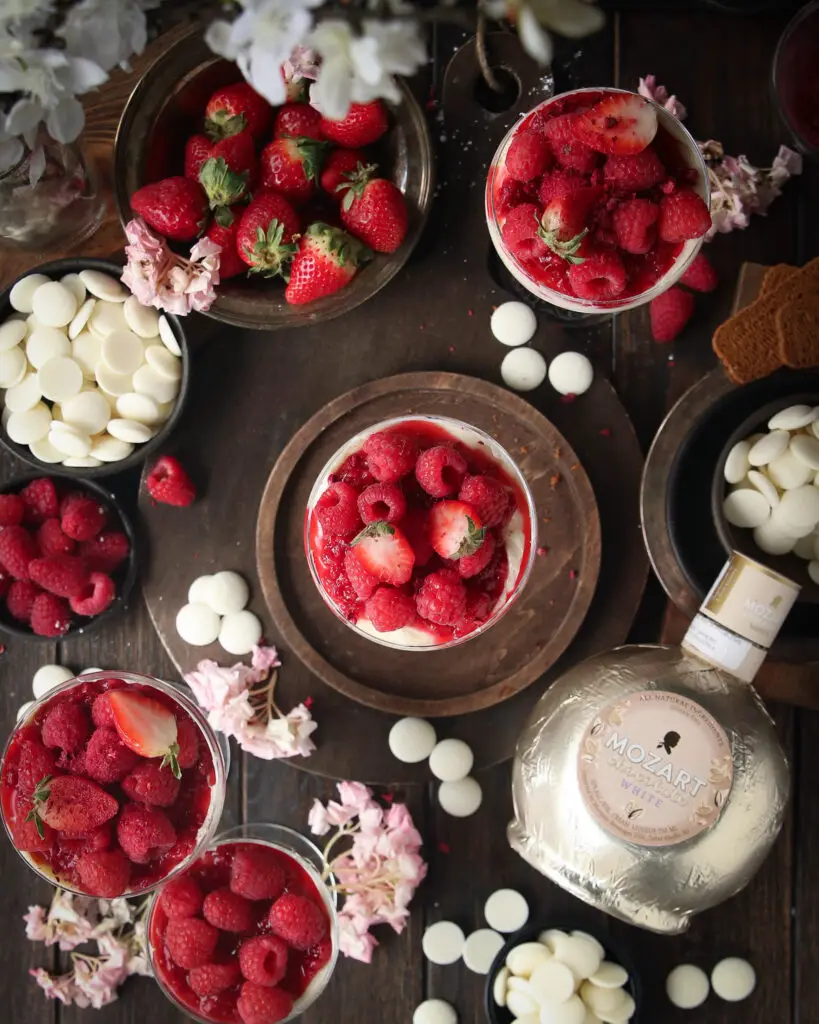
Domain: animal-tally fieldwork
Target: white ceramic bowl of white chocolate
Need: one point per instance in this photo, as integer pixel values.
(90, 379)
(772, 485)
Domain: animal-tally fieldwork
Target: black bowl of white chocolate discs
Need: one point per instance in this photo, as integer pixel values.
(91, 381)
(553, 973)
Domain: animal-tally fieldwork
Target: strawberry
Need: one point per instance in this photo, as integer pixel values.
(338, 165)
(264, 238)
(291, 165)
(621, 123)
(297, 119)
(235, 107)
(175, 207)
(569, 151)
(197, 151)
(455, 529)
(230, 171)
(146, 727)
(223, 230)
(68, 803)
(373, 209)
(326, 260)
(364, 123)
(385, 553)
(169, 484)
(565, 222)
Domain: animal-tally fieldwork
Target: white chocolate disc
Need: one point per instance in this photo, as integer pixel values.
(69, 440)
(197, 624)
(60, 379)
(590, 938)
(549, 937)
(412, 740)
(73, 282)
(807, 547)
(110, 449)
(103, 286)
(47, 677)
(165, 363)
(580, 955)
(89, 411)
(240, 632)
(46, 343)
(86, 349)
(112, 383)
(123, 352)
(460, 799)
(746, 508)
(687, 986)
(733, 979)
(147, 381)
(54, 305)
(792, 418)
(141, 408)
(45, 451)
(787, 525)
(769, 447)
(813, 570)
(736, 462)
(806, 449)
(107, 318)
(199, 591)
(434, 1011)
(451, 760)
(13, 367)
(787, 472)
(621, 1013)
(506, 911)
(499, 986)
(513, 323)
(769, 538)
(21, 295)
(24, 709)
(799, 508)
(130, 430)
(552, 982)
(228, 593)
(573, 1011)
(87, 462)
(81, 318)
(519, 1002)
(443, 943)
(480, 949)
(24, 395)
(609, 975)
(168, 336)
(142, 320)
(12, 333)
(571, 373)
(525, 958)
(762, 484)
(523, 369)
(29, 426)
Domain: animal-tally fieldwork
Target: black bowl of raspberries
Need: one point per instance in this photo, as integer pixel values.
(67, 556)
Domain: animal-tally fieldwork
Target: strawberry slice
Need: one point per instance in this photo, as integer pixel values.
(69, 803)
(565, 222)
(146, 727)
(384, 551)
(455, 529)
(622, 123)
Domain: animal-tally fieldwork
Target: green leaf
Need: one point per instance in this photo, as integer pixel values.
(223, 124)
(171, 759)
(566, 249)
(223, 186)
(223, 216)
(472, 541)
(33, 815)
(381, 528)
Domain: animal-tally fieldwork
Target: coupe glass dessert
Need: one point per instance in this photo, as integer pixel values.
(112, 784)
(796, 77)
(248, 933)
(419, 532)
(597, 200)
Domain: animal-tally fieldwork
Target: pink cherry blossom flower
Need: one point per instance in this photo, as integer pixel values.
(60, 986)
(302, 63)
(648, 87)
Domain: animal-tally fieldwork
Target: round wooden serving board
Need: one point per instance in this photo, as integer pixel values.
(522, 645)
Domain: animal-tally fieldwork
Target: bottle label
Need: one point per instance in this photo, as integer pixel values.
(655, 768)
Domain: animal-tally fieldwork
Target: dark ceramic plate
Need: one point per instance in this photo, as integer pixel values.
(615, 952)
(166, 107)
(124, 577)
(73, 265)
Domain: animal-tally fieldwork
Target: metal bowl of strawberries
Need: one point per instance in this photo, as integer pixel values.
(313, 216)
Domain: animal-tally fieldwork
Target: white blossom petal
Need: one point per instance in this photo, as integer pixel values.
(66, 120)
(24, 115)
(218, 38)
(36, 166)
(535, 41)
(571, 18)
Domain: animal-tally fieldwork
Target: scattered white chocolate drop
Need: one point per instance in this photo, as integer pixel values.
(513, 323)
(571, 373)
(687, 986)
(733, 979)
(443, 943)
(523, 369)
(451, 760)
(412, 740)
(460, 799)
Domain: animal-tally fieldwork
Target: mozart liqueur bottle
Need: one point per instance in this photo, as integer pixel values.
(649, 781)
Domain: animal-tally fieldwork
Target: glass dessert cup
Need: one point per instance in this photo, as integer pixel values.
(194, 822)
(674, 137)
(517, 537)
(304, 866)
(796, 78)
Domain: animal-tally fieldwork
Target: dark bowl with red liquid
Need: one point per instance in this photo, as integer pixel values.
(796, 78)
(306, 973)
(193, 815)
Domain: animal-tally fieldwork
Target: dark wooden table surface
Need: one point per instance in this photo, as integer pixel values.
(720, 66)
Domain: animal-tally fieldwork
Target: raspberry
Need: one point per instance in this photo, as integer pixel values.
(634, 224)
(29, 840)
(211, 979)
(259, 1005)
(362, 582)
(568, 151)
(17, 549)
(263, 960)
(382, 501)
(634, 173)
(90, 842)
(528, 156)
(256, 874)
(440, 470)
(52, 540)
(416, 530)
(471, 565)
(337, 511)
(104, 872)
(354, 471)
(300, 922)
(488, 497)
(20, 599)
(107, 759)
(683, 215)
(701, 275)
(509, 195)
(190, 941)
(102, 714)
(441, 598)
(559, 183)
(390, 455)
(187, 737)
(97, 595)
(12, 509)
(169, 484)
(151, 784)
(336, 583)
(50, 615)
(105, 552)
(66, 727)
(74, 764)
(5, 582)
(227, 911)
(63, 575)
(83, 517)
(520, 232)
(34, 764)
(670, 312)
(40, 500)
(144, 833)
(601, 276)
(181, 897)
(389, 609)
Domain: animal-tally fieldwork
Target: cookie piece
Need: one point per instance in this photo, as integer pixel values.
(797, 323)
(775, 276)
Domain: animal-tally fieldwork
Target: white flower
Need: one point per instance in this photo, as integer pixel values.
(359, 69)
(571, 18)
(261, 39)
(534, 39)
(107, 32)
(11, 148)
